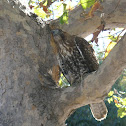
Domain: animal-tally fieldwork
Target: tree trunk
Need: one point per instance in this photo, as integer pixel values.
(25, 59)
(28, 93)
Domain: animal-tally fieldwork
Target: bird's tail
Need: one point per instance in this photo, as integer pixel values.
(99, 110)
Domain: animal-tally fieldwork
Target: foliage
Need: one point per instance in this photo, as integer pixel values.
(47, 9)
(87, 3)
(51, 10)
(119, 100)
(109, 48)
(114, 40)
(63, 81)
(64, 17)
(119, 97)
(40, 12)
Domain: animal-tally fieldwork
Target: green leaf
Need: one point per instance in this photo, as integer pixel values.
(31, 2)
(119, 98)
(115, 97)
(63, 81)
(110, 93)
(36, 7)
(113, 38)
(118, 105)
(124, 101)
(64, 6)
(86, 3)
(121, 112)
(64, 18)
(110, 100)
(45, 4)
(40, 12)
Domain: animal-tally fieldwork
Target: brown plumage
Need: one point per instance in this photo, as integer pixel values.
(76, 59)
(74, 54)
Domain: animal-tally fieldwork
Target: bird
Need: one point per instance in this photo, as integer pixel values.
(76, 59)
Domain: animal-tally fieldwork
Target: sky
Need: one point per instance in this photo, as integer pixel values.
(103, 39)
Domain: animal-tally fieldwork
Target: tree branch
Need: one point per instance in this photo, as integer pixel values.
(96, 85)
(79, 26)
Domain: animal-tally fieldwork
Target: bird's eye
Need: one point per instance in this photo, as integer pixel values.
(56, 31)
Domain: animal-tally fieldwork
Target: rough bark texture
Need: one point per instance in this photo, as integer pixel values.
(27, 93)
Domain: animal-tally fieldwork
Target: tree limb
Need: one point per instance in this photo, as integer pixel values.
(114, 16)
(96, 85)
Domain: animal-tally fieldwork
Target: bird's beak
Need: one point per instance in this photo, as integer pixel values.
(55, 32)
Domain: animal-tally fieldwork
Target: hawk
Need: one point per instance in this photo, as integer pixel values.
(76, 59)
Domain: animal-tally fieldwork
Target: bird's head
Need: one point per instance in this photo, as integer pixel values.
(56, 32)
(58, 35)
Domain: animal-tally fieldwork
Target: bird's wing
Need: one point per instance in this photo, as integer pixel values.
(87, 51)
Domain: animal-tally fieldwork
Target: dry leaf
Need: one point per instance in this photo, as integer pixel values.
(41, 4)
(116, 101)
(31, 6)
(45, 8)
(95, 7)
(95, 34)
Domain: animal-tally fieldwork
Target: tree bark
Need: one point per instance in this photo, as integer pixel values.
(28, 96)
